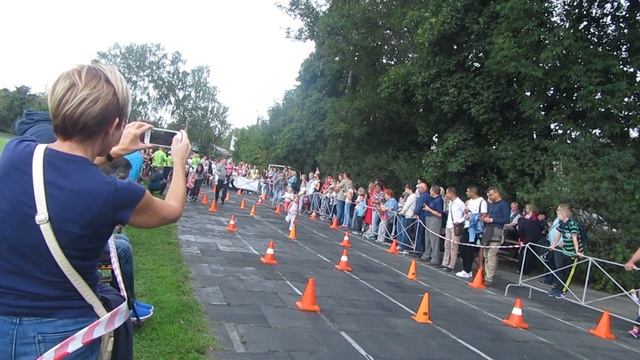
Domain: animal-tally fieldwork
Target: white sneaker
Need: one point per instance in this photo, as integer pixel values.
(463, 274)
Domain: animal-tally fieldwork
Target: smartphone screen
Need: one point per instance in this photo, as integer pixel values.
(161, 137)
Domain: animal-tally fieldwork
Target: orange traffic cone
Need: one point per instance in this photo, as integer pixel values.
(239, 192)
(292, 232)
(393, 249)
(346, 242)
(214, 206)
(205, 199)
(412, 273)
(242, 206)
(343, 265)
(253, 211)
(228, 198)
(422, 315)
(334, 225)
(516, 319)
(232, 227)
(314, 216)
(308, 300)
(277, 210)
(269, 257)
(478, 280)
(603, 330)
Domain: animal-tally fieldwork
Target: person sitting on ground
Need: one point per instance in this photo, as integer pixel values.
(89, 107)
(571, 248)
(157, 182)
(120, 169)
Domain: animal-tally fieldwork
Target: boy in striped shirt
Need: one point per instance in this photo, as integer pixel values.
(571, 249)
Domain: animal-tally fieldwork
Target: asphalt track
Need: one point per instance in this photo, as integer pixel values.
(367, 313)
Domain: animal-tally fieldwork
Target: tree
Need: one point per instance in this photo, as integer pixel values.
(168, 94)
(14, 102)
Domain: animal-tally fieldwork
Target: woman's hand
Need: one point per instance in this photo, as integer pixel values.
(130, 139)
(180, 147)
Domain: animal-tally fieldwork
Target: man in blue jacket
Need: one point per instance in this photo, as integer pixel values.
(497, 217)
(433, 209)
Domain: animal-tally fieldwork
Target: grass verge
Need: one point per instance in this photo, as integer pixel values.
(178, 329)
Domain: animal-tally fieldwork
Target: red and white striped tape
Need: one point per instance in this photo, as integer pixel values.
(98, 328)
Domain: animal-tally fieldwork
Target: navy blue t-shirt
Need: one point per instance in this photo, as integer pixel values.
(84, 207)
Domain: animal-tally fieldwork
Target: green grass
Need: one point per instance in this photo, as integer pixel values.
(178, 329)
(4, 137)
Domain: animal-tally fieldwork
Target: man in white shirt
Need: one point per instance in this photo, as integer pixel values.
(455, 218)
(406, 219)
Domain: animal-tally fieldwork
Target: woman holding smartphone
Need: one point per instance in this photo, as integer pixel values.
(39, 306)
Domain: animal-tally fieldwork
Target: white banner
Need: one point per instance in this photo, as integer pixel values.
(244, 183)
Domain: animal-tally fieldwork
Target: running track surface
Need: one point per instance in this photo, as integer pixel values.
(366, 314)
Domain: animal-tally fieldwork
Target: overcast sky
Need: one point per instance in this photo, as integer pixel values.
(243, 41)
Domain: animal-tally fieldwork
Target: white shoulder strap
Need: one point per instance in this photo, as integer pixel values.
(42, 219)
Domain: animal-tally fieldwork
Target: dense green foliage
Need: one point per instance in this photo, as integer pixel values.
(167, 94)
(538, 97)
(14, 102)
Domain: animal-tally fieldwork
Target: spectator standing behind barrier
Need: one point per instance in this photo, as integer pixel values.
(345, 186)
(476, 207)
(386, 211)
(553, 241)
(433, 209)
(420, 214)
(377, 198)
(406, 220)
(570, 249)
(530, 231)
(497, 217)
(454, 228)
(360, 209)
(89, 107)
(630, 266)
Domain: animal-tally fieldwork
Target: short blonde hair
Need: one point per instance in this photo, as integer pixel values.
(564, 209)
(85, 100)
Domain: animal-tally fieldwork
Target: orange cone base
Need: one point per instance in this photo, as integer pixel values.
(515, 323)
(309, 308)
(421, 321)
(346, 244)
(268, 261)
(231, 230)
(344, 268)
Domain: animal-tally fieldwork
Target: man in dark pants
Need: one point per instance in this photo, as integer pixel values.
(221, 171)
(420, 213)
(531, 231)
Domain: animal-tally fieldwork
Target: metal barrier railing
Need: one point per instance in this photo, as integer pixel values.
(325, 207)
(579, 299)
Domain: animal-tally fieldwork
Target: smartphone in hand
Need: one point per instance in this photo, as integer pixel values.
(159, 137)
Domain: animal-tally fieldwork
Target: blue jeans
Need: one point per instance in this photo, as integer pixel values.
(339, 209)
(375, 219)
(346, 217)
(125, 257)
(29, 338)
(405, 232)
